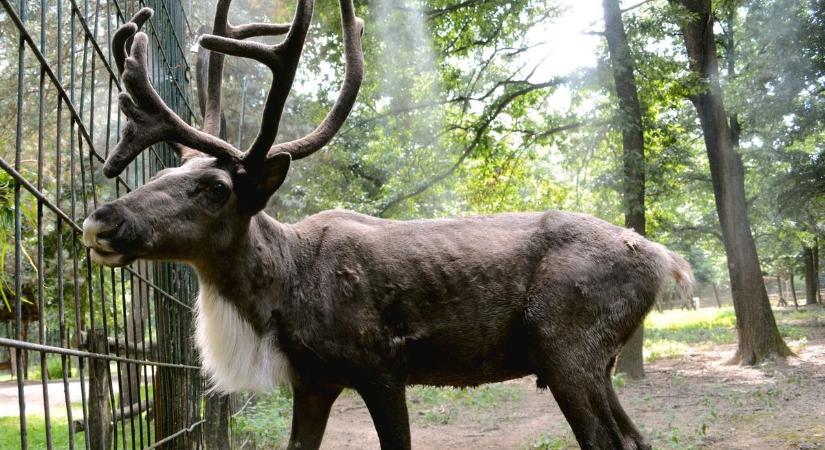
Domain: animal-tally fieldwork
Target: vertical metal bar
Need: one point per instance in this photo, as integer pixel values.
(129, 378)
(83, 88)
(77, 298)
(81, 362)
(243, 111)
(115, 333)
(41, 303)
(61, 300)
(152, 350)
(18, 266)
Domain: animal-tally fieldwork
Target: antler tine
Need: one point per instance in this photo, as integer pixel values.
(353, 30)
(123, 35)
(249, 30)
(214, 77)
(149, 120)
(214, 73)
(282, 59)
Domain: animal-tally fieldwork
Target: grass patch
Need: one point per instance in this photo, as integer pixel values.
(673, 332)
(549, 442)
(441, 405)
(706, 325)
(36, 433)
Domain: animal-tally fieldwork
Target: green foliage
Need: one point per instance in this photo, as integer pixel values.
(54, 367)
(619, 380)
(265, 423)
(450, 120)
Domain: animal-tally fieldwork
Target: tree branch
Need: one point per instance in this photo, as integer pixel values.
(492, 113)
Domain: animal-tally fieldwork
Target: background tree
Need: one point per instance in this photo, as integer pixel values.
(629, 119)
(758, 335)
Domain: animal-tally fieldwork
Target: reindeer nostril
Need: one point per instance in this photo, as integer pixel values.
(111, 230)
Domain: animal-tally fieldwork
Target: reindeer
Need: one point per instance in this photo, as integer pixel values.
(344, 300)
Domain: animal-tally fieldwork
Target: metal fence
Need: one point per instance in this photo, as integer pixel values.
(93, 357)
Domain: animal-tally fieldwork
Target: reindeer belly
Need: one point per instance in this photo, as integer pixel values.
(232, 354)
(467, 357)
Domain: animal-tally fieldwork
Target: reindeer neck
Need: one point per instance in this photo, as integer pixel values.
(254, 273)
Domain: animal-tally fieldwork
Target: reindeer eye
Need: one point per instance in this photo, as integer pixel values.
(219, 187)
(216, 192)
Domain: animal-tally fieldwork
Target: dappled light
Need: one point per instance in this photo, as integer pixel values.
(428, 224)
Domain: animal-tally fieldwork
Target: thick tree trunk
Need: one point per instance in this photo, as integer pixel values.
(810, 276)
(630, 119)
(758, 335)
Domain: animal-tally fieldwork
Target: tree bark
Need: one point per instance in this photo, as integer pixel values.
(817, 271)
(631, 360)
(810, 276)
(759, 337)
(793, 291)
(217, 412)
(100, 415)
(716, 295)
(780, 289)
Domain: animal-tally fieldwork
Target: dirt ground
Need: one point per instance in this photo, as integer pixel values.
(693, 401)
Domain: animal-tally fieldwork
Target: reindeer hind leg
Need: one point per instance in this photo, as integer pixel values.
(631, 433)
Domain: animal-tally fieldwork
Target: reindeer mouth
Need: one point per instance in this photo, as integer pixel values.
(97, 236)
(110, 258)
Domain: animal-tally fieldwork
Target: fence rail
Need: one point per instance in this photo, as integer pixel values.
(98, 358)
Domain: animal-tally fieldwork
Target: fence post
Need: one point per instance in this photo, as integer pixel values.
(100, 415)
(216, 429)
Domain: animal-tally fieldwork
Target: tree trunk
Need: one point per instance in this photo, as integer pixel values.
(631, 359)
(817, 271)
(217, 412)
(810, 276)
(630, 120)
(781, 301)
(793, 291)
(716, 295)
(758, 335)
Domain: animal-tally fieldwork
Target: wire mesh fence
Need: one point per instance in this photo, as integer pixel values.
(90, 357)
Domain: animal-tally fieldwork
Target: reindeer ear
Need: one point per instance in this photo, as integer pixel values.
(259, 183)
(274, 173)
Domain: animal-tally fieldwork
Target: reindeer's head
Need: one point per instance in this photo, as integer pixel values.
(207, 202)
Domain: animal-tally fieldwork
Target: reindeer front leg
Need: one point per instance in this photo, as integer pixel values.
(386, 401)
(310, 411)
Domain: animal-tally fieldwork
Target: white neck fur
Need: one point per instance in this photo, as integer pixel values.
(232, 354)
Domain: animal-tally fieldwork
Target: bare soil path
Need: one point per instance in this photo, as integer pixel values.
(692, 401)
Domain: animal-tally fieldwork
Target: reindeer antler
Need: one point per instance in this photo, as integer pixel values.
(283, 60)
(354, 73)
(150, 121)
